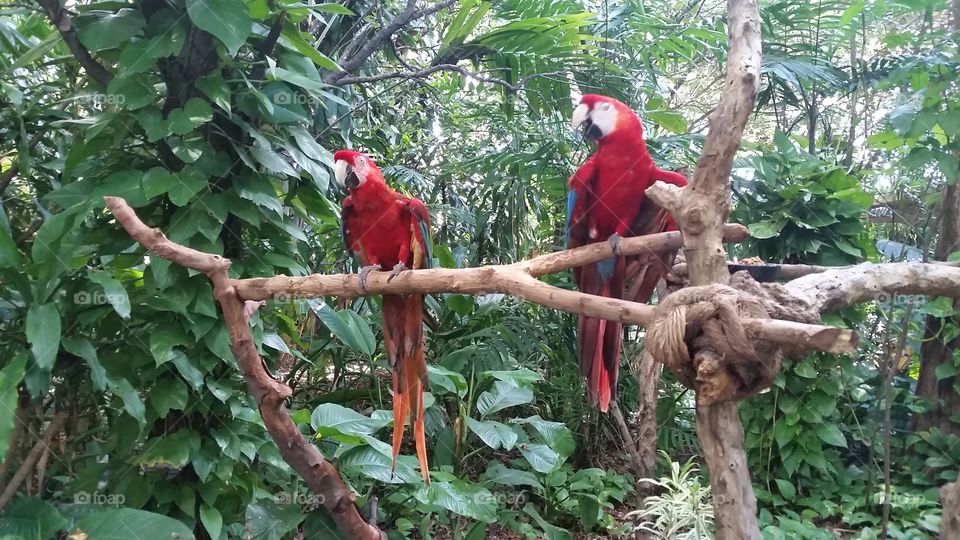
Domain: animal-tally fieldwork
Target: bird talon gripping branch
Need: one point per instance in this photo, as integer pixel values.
(614, 242)
(363, 275)
(397, 270)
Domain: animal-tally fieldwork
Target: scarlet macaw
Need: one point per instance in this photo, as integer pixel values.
(606, 201)
(383, 228)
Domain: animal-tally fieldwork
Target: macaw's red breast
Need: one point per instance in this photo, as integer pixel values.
(379, 226)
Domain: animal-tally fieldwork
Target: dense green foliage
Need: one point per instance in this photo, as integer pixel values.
(216, 120)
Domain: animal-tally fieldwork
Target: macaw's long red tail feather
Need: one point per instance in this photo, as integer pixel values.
(403, 336)
(598, 340)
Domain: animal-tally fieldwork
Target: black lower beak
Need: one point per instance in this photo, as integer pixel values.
(352, 181)
(591, 131)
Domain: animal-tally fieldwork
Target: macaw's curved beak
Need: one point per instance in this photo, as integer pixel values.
(581, 119)
(345, 174)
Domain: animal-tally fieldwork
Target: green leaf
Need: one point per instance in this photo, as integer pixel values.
(215, 88)
(163, 340)
(805, 370)
(81, 346)
(589, 508)
(783, 433)
(502, 396)
(786, 488)
(352, 329)
(343, 424)
(9, 253)
(541, 457)
(669, 120)
(128, 394)
(272, 161)
(132, 91)
(831, 434)
(374, 464)
(764, 229)
(195, 112)
(43, 334)
(946, 371)
(157, 181)
(498, 473)
(551, 532)
(10, 377)
(460, 498)
(190, 181)
(493, 434)
(516, 377)
(228, 20)
(212, 520)
(30, 518)
(115, 293)
(293, 40)
(450, 381)
(187, 370)
(268, 521)
(100, 30)
(168, 394)
(126, 523)
(556, 435)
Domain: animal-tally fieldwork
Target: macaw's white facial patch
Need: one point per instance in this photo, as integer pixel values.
(604, 117)
(353, 176)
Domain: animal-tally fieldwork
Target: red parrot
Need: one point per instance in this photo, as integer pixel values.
(383, 228)
(606, 201)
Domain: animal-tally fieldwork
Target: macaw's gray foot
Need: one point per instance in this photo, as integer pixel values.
(363, 276)
(397, 270)
(614, 242)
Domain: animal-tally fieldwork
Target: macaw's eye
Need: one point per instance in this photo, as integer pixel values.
(604, 106)
(360, 159)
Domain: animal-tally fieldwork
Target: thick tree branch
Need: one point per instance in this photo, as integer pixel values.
(270, 394)
(519, 279)
(700, 210)
(356, 59)
(64, 24)
(841, 287)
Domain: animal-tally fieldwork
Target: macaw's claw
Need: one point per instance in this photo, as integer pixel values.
(363, 276)
(614, 242)
(397, 269)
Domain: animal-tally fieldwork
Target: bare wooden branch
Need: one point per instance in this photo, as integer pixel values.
(841, 287)
(519, 279)
(270, 394)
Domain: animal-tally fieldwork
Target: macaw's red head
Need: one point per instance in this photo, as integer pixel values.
(603, 118)
(352, 169)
